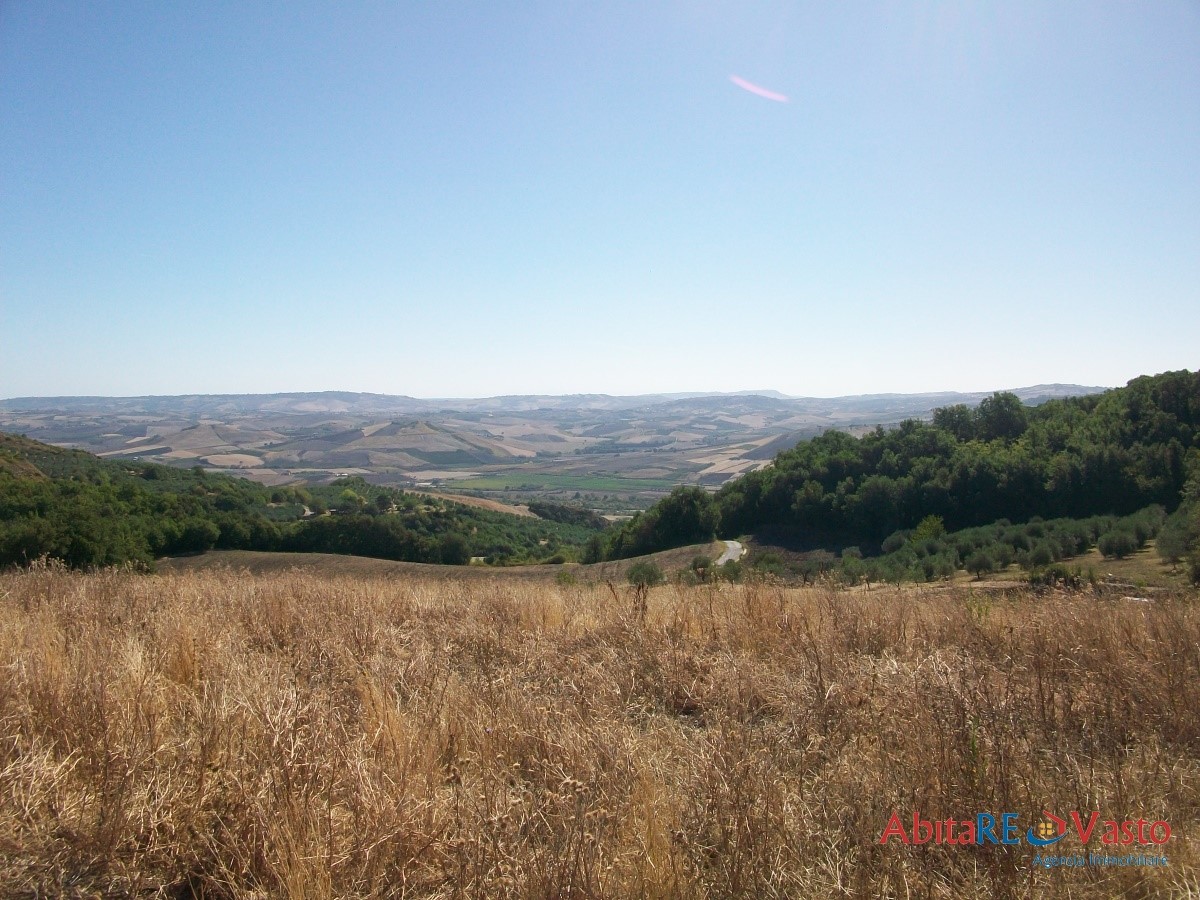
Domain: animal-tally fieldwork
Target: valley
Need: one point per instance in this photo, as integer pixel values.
(616, 455)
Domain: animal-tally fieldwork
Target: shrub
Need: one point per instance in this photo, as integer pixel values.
(1117, 544)
(769, 563)
(731, 571)
(853, 569)
(981, 563)
(1019, 541)
(1177, 535)
(453, 551)
(645, 574)
(1057, 576)
(1041, 555)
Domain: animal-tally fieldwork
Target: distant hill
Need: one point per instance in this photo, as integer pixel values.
(621, 453)
(223, 406)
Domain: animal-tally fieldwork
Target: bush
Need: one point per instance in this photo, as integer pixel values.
(768, 562)
(1178, 535)
(853, 569)
(1058, 576)
(453, 551)
(731, 571)
(1003, 553)
(1041, 555)
(645, 574)
(1117, 544)
(981, 563)
(1019, 541)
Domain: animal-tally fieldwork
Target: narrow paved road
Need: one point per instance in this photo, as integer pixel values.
(733, 550)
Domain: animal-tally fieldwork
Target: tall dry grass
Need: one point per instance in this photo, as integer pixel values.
(290, 735)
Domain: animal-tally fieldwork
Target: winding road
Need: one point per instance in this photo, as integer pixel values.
(733, 551)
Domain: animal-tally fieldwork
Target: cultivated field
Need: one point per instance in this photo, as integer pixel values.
(304, 735)
(621, 453)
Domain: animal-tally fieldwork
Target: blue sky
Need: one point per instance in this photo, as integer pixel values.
(460, 199)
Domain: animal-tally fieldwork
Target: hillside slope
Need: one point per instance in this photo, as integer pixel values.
(1112, 453)
(72, 506)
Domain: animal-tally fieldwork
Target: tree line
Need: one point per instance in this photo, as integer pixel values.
(87, 512)
(1110, 454)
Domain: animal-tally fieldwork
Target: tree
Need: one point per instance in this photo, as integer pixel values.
(645, 574)
(980, 563)
(688, 515)
(1001, 415)
(853, 569)
(453, 551)
(956, 419)
(930, 528)
(1041, 555)
(1118, 544)
(350, 501)
(1179, 534)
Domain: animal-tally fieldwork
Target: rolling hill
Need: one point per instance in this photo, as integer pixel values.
(623, 452)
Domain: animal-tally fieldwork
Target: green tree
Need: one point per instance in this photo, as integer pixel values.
(981, 563)
(1001, 415)
(350, 501)
(453, 551)
(1117, 544)
(957, 419)
(930, 528)
(688, 515)
(645, 574)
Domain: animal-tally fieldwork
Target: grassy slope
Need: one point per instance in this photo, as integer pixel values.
(1143, 569)
(331, 564)
(296, 734)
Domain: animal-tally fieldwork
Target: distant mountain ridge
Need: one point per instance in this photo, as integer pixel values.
(361, 403)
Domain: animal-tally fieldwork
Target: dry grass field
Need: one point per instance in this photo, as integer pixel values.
(293, 734)
(256, 562)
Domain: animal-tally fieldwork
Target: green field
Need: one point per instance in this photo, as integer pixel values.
(534, 482)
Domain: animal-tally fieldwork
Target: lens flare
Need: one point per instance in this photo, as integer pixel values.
(758, 89)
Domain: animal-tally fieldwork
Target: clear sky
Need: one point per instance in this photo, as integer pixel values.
(469, 199)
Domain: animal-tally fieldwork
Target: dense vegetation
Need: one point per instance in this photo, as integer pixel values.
(87, 512)
(686, 516)
(1082, 463)
(1110, 454)
(569, 515)
(929, 553)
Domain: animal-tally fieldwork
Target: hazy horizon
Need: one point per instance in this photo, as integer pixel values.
(454, 201)
(762, 392)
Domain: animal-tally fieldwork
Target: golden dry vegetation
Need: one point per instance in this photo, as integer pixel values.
(291, 734)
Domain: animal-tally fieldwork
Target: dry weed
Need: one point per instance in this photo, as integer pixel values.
(222, 735)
